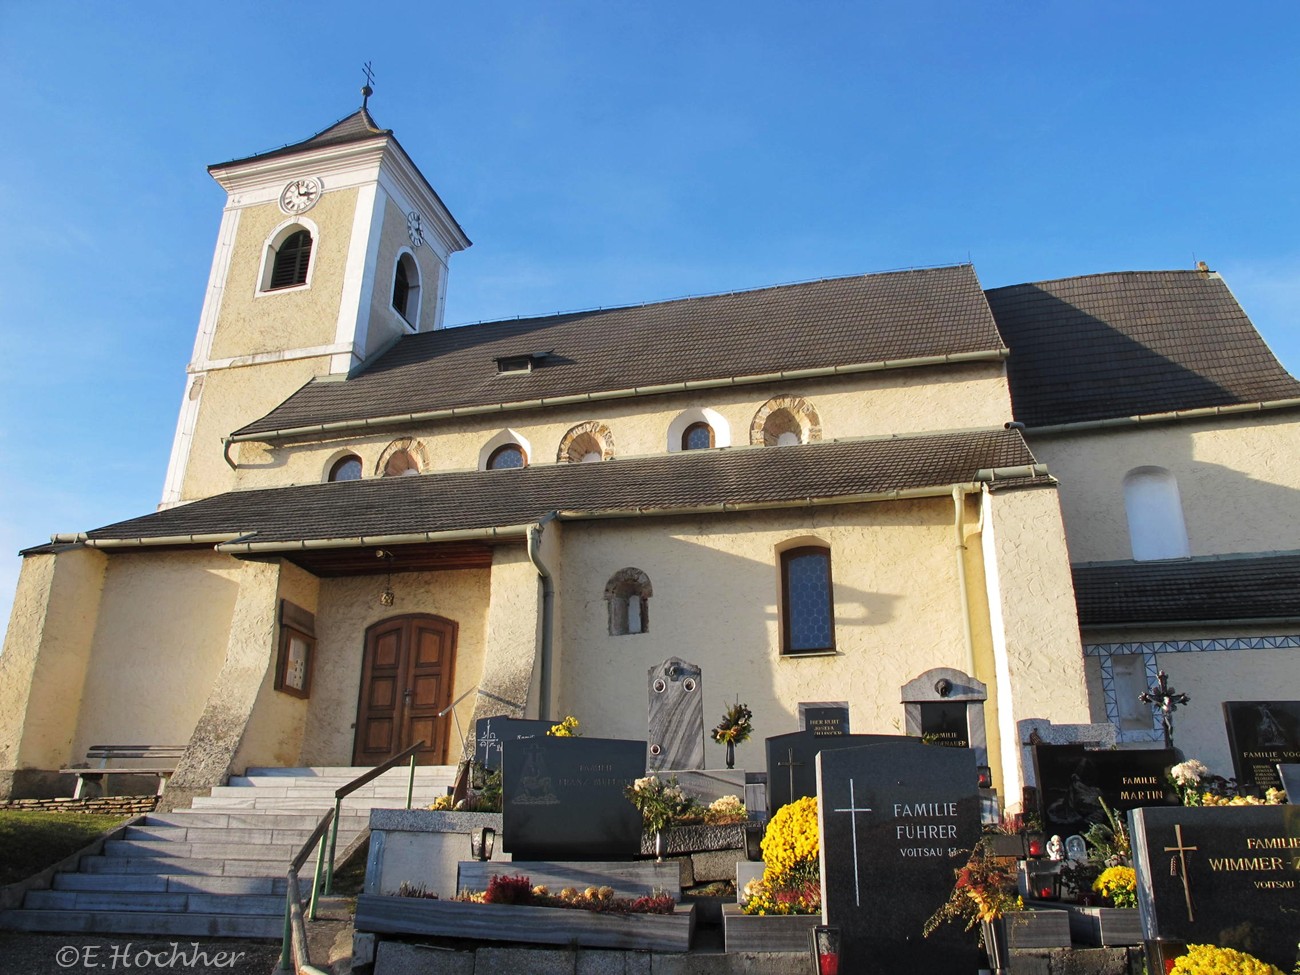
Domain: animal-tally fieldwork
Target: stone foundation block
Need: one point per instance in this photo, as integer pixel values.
(516, 961)
(399, 958)
(716, 865)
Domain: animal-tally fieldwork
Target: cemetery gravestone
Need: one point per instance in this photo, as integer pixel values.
(946, 706)
(563, 798)
(791, 773)
(824, 719)
(1290, 776)
(676, 716)
(489, 733)
(944, 723)
(1073, 781)
(896, 822)
(1225, 876)
(1262, 734)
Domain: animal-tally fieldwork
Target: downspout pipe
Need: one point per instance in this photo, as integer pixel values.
(959, 547)
(548, 612)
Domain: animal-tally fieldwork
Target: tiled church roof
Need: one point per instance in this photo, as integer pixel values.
(1227, 589)
(843, 321)
(689, 479)
(1139, 342)
(357, 127)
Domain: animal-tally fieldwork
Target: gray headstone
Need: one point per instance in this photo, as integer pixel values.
(896, 821)
(825, 719)
(947, 707)
(1290, 776)
(563, 798)
(489, 733)
(1225, 876)
(676, 716)
(791, 773)
(1262, 735)
(1073, 781)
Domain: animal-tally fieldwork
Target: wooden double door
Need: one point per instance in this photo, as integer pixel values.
(406, 679)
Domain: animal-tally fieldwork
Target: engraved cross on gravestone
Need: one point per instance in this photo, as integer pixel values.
(676, 716)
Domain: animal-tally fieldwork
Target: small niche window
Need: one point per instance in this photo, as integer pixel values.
(506, 457)
(586, 443)
(401, 463)
(346, 468)
(784, 421)
(1155, 515)
(406, 289)
(698, 436)
(628, 595)
(807, 601)
(292, 260)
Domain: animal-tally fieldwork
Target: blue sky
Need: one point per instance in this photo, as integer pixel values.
(607, 153)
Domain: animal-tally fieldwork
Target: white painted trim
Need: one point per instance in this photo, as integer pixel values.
(276, 355)
(1008, 734)
(506, 436)
(187, 418)
(270, 246)
(721, 428)
(358, 286)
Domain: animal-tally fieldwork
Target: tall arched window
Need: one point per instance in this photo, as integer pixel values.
(628, 595)
(807, 601)
(1156, 528)
(292, 259)
(346, 468)
(406, 289)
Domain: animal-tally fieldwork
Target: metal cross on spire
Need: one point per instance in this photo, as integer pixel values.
(1167, 699)
(367, 90)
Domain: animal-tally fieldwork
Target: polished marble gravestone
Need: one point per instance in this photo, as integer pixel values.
(944, 723)
(1073, 781)
(824, 719)
(562, 798)
(897, 820)
(1261, 735)
(676, 715)
(791, 773)
(489, 733)
(1228, 876)
(1290, 775)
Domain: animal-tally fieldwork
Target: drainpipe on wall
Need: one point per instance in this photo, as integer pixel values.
(959, 546)
(548, 612)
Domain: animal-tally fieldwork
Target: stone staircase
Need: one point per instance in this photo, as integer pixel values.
(216, 869)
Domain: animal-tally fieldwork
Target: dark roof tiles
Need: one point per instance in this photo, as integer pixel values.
(843, 321)
(356, 127)
(1115, 345)
(483, 499)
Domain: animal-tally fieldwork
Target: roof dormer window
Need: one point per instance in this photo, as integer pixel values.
(525, 362)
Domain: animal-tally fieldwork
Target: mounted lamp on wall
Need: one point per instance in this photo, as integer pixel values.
(387, 597)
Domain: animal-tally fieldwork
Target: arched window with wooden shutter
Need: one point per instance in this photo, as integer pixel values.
(292, 259)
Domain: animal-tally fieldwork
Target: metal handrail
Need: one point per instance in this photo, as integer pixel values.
(293, 950)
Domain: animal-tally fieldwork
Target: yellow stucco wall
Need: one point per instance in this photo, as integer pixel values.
(346, 607)
(875, 404)
(716, 603)
(46, 653)
(159, 643)
(253, 322)
(1239, 479)
(275, 730)
(385, 322)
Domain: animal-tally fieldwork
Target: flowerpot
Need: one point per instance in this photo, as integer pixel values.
(1104, 927)
(661, 845)
(1047, 928)
(995, 945)
(766, 932)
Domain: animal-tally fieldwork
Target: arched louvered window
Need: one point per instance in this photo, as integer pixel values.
(291, 262)
(401, 289)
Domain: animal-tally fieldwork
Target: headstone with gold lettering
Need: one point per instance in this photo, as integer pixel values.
(896, 821)
(1262, 735)
(1226, 876)
(1073, 781)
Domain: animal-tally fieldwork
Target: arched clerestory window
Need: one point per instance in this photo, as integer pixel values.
(628, 595)
(785, 421)
(1154, 509)
(346, 468)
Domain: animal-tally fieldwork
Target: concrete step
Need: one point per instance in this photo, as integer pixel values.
(143, 922)
(234, 834)
(170, 883)
(283, 852)
(230, 803)
(332, 782)
(347, 773)
(348, 819)
(184, 866)
(323, 793)
(158, 903)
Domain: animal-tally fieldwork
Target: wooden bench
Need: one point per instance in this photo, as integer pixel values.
(112, 753)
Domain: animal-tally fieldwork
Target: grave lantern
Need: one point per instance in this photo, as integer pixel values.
(825, 949)
(1035, 846)
(482, 841)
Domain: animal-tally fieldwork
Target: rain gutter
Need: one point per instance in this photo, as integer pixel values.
(548, 613)
(344, 426)
(1146, 419)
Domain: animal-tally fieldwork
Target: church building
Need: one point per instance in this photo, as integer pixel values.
(819, 492)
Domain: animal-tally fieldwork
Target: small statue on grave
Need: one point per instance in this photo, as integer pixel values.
(1056, 849)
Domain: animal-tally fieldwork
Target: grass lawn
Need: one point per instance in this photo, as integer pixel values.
(32, 841)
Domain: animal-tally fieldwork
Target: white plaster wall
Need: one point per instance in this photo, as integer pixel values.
(160, 641)
(46, 653)
(716, 598)
(345, 608)
(1239, 478)
(905, 401)
(275, 730)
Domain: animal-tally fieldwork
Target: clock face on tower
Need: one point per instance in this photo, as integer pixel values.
(413, 228)
(300, 195)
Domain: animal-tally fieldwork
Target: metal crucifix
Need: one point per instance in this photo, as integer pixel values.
(1167, 699)
(790, 764)
(1178, 865)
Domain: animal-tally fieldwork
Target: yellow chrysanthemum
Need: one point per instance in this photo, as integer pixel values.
(1209, 960)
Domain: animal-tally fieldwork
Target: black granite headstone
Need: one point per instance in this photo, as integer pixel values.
(826, 722)
(1262, 734)
(1073, 781)
(944, 723)
(1290, 774)
(896, 822)
(489, 733)
(1226, 876)
(562, 798)
(791, 774)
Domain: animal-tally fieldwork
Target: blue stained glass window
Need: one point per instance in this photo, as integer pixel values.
(511, 455)
(698, 436)
(809, 606)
